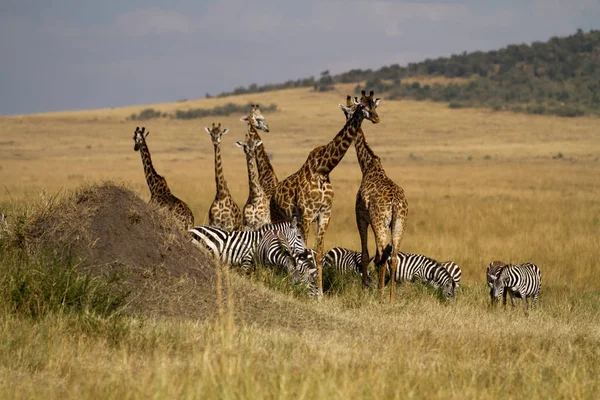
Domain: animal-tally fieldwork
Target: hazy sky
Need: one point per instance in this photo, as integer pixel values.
(74, 54)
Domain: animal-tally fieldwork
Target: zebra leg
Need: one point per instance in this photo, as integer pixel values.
(533, 300)
(248, 264)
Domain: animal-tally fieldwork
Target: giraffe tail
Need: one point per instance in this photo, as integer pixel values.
(386, 254)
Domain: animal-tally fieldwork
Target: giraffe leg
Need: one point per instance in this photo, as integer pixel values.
(323, 224)
(397, 235)
(363, 230)
(380, 239)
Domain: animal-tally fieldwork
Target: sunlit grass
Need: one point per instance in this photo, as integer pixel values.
(480, 186)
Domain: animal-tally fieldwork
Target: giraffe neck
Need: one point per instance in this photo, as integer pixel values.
(154, 180)
(335, 150)
(256, 189)
(363, 151)
(266, 173)
(219, 176)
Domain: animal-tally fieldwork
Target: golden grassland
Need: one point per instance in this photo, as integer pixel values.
(480, 185)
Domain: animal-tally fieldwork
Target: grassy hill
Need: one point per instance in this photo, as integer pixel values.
(481, 185)
(558, 77)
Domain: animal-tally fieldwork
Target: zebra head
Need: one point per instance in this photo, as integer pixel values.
(449, 289)
(493, 271)
(499, 284)
(306, 265)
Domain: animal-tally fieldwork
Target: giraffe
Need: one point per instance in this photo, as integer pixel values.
(308, 192)
(223, 213)
(256, 212)
(266, 173)
(379, 202)
(160, 193)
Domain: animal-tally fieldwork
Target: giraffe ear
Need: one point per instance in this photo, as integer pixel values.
(146, 134)
(244, 118)
(257, 143)
(207, 130)
(239, 144)
(224, 131)
(377, 101)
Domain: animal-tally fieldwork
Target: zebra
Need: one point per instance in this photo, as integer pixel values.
(412, 267)
(237, 247)
(346, 261)
(492, 273)
(439, 277)
(274, 250)
(521, 281)
(453, 269)
(279, 245)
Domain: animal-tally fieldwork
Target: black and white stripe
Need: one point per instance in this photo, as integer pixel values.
(235, 248)
(439, 277)
(274, 251)
(345, 261)
(413, 267)
(453, 269)
(238, 248)
(521, 281)
(292, 232)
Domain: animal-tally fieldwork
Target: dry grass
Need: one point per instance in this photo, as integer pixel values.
(481, 185)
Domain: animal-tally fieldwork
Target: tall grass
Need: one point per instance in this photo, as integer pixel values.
(511, 201)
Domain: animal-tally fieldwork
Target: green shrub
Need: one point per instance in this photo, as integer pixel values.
(40, 284)
(145, 114)
(225, 110)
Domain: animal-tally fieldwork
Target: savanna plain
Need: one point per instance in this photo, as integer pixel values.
(481, 186)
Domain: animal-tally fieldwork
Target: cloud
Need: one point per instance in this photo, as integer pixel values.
(140, 55)
(147, 21)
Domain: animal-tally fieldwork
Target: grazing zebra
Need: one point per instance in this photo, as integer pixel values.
(439, 277)
(237, 248)
(492, 273)
(345, 261)
(274, 250)
(454, 271)
(416, 266)
(521, 280)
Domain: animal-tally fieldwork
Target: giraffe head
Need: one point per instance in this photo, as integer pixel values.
(139, 137)
(216, 132)
(366, 104)
(249, 145)
(255, 119)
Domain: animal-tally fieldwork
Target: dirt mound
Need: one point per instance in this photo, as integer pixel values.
(111, 230)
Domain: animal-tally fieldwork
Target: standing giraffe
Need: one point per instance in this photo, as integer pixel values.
(256, 212)
(379, 203)
(159, 190)
(266, 173)
(308, 192)
(223, 213)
